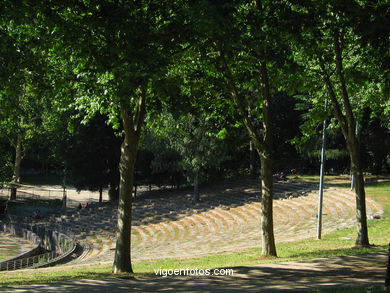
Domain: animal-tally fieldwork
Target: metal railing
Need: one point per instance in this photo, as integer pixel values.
(41, 193)
(67, 246)
(28, 261)
(33, 193)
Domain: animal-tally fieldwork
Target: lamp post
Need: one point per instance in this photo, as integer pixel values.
(321, 188)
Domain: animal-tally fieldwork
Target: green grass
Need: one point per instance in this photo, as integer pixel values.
(332, 244)
(60, 274)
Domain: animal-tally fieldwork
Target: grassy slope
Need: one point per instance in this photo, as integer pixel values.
(337, 243)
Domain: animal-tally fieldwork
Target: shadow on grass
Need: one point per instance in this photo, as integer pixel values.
(41, 278)
(315, 276)
(339, 252)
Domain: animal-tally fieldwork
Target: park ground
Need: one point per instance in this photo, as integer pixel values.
(298, 267)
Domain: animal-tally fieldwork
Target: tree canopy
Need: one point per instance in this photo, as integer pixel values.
(203, 78)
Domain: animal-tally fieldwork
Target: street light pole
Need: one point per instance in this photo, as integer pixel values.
(321, 189)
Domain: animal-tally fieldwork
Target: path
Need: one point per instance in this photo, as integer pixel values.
(325, 273)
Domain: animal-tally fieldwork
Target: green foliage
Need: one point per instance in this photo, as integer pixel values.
(193, 139)
(322, 23)
(6, 167)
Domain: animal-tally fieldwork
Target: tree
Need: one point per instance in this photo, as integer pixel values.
(20, 107)
(116, 50)
(196, 139)
(248, 43)
(331, 50)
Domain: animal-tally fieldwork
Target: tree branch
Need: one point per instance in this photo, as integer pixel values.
(332, 95)
(240, 104)
(265, 90)
(140, 110)
(127, 119)
(344, 92)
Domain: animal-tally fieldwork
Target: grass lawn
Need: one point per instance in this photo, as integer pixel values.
(337, 243)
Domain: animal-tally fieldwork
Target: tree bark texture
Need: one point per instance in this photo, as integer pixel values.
(267, 225)
(132, 125)
(122, 260)
(360, 194)
(268, 238)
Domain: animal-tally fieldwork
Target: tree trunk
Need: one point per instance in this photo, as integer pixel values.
(267, 226)
(13, 192)
(18, 159)
(344, 114)
(132, 126)
(113, 193)
(122, 259)
(64, 197)
(357, 172)
(196, 188)
(100, 194)
(263, 145)
(353, 146)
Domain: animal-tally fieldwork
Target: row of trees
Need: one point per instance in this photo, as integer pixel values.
(196, 66)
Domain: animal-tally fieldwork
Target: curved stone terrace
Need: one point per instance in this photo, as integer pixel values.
(167, 224)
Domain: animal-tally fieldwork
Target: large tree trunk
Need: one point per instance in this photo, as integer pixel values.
(132, 125)
(18, 159)
(357, 172)
(267, 225)
(122, 260)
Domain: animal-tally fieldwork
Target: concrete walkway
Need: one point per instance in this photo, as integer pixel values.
(326, 273)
